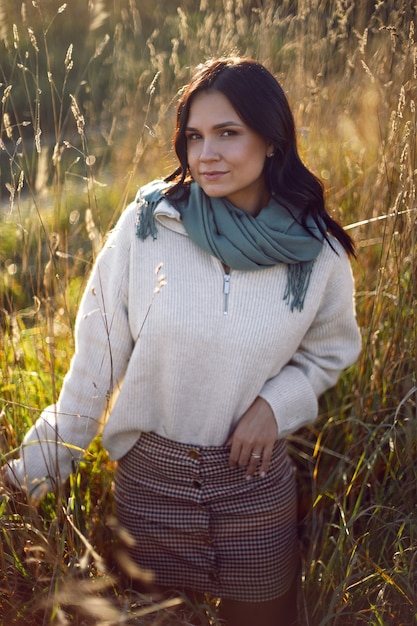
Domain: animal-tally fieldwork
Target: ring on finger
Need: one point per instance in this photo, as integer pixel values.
(256, 456)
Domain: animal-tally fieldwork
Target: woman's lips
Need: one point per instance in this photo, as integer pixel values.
(212, 176)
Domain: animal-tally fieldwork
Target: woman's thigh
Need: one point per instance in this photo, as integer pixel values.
(255, 535)
(279, 612)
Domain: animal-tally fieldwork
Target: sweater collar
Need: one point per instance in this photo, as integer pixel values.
(239, 240)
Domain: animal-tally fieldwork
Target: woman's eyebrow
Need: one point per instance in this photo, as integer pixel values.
(216, 126)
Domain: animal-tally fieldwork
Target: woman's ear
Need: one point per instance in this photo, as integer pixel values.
(270, 149)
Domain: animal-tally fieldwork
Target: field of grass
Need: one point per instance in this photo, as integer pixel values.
(87, 108)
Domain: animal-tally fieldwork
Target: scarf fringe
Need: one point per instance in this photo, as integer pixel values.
(145, 209)
(298, 280)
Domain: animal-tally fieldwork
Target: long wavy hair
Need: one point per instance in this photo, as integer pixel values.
(260, 102)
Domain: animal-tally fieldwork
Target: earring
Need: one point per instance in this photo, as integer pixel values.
(270, 155)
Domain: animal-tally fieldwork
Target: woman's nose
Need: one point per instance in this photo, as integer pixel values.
(208, 152)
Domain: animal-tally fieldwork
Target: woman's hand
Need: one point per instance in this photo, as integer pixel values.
(253, 439)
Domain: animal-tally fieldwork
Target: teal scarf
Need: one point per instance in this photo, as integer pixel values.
(239, 240)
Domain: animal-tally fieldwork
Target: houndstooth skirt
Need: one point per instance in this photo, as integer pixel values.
(199, 524)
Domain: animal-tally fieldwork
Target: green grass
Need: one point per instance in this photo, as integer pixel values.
(68, 167)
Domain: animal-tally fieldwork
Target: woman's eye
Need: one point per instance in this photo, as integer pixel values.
(193, 136)
(228, 133)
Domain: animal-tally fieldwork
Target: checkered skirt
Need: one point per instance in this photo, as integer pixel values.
(199, 524)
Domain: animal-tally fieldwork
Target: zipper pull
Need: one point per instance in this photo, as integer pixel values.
(226, 291)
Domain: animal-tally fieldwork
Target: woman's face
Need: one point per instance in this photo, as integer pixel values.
(225, 156)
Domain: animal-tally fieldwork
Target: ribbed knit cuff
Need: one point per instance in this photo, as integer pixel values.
(292, 400)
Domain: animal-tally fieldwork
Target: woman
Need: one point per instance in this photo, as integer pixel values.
(253, 320)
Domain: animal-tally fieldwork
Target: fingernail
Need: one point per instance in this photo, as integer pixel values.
(262, 474)
(248, 477)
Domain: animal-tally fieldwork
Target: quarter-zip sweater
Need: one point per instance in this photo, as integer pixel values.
(186, 359)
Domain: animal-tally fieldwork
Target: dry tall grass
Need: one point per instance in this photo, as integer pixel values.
(350, 71)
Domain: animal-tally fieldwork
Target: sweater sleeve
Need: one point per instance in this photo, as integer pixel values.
(103, 345)
(331, 344)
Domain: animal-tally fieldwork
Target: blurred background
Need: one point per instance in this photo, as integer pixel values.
(88, 91)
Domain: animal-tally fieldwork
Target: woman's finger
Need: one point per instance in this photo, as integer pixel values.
(253, 464)
(266, 459)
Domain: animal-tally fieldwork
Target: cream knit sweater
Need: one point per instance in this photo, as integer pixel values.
(187, 361)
